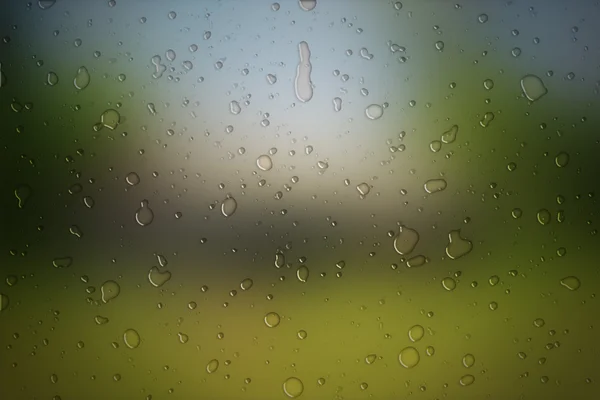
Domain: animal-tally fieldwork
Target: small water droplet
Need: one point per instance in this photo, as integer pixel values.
(234, 107)
(212, 366)
(467, 380)
(52, 78)
(571, 282)
(246, 284)
(264, 162)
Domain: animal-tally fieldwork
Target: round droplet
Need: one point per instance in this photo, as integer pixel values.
(416, 333)
(435, 185)
(302, 273)
(131, 338)
(302, 334)
(406, 241)
(293, 387)
(52, 78)
(228, 207)
(88, 201)
(246, 284)
(62, 262)
(435, 146)
(533, 88)
(516, 213)
(562, 159)
(374, 111)
(82, 79)
(212, 366)
(272, 319)
(467, 380)
(132, 178)
(110, 119)
(482, 18)
(144, 215)
(449, 283)
(363, 189)
(571, 282)
(264, 162)
(110, 290)
(409, 357)
(468, 360)
(371, 358)
(439, 45)
(488, 84)
(544, 217)
(4, 302)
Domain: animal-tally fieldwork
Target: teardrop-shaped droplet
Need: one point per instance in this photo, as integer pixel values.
(158, 278)
(302, 273)
(450, 135)
(110, 290)
(144, 215)
(406, 241)
(533, 87)
(82, 79)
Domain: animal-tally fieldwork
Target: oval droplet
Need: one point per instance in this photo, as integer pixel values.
(435, 185)
(467, 380)
(212, 366)
(52, 78)
(228, 207)
(468, 360)
(110, 290)
(533, 88)
(246, 284)
(132, 178)
(406, 241)
(157, 278)
(416, 333)
(82, 79)
(131, 338)
(302, 273)
(264, 162)
(374, 111)
(293, 387)
(571, 282)
(409, 357)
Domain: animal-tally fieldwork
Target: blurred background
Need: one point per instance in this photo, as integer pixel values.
(304, 199)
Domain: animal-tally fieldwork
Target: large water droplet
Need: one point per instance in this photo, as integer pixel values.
(144, 215)
(110, 119)
(131, 338)
(212, 366)
(457, 246)
(409, 357)
(571, 282)
(23, 193)
(158, 278)
(303, 83)
(435, 185)
(374, 111)
(228, 207)
(62, 262)
(46, 4)
(272, 319)
(110, 290)
(308, 5)
(450, 135)
(264, 162)
(302, 273)
(82, 79)
(406, 241)
(363, 188)
(279, 260)
(293, 387)
(234, 107)
(533, 87)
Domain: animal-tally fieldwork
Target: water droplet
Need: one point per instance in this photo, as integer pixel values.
(416, 261)
(279, 260)
(337, 104)
(187, 65)
(23, 194)
(110, 290)
(228, 207)
(144, 215)
(272, 319)
(516, 52)
(467, 380)
(406, 241)
(62, 262)
(468, 360)
(100, 320)
(272, 79)
(88, 201)
(293, 387)
(435, 185)
(435, 146)
(158, 278)
(4, 302)
(303, 83)
(449, 284)
(482, 18)
(212, 366)
(457, 246)
(264, 162)
(562, 159)
(183, 338)
(371, 358)
(363, 189)
(416, 333)
(409, 357)
(571, 282)
(110, 119)
(82, 79)
(76, 231)
(132, 178)
(46, 4)
(246, 284)
(398, 5)
(364, 53)
(170, 55)
(131, 338)
(302, 273)
(544, 217)
(539, 322)
(488, 84)
(374, 111)
(275, 6)
(533, 87)
(172, 15)
(450, 135)
(439, 45)
(234, 107)
(302, 334)
(52, 78)
(488, 117)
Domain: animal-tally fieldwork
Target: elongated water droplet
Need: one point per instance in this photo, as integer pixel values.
(234, 107)
(279, 260)
(308, 5)
(46, 4)
(487, 119)
(62, 262)
(132, 339)
(457, 246)
(246, 284)
(435, 185)
(228, 207)
(467, 380)
(303, 83)
(416, 261)
(450, 135)
(302, 273)
(212, 366)
(571, 282)
(144, 215)
(158, 278)
(337, 104)
(82, 79)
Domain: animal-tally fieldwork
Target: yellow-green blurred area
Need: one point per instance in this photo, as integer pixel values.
(314, 199)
